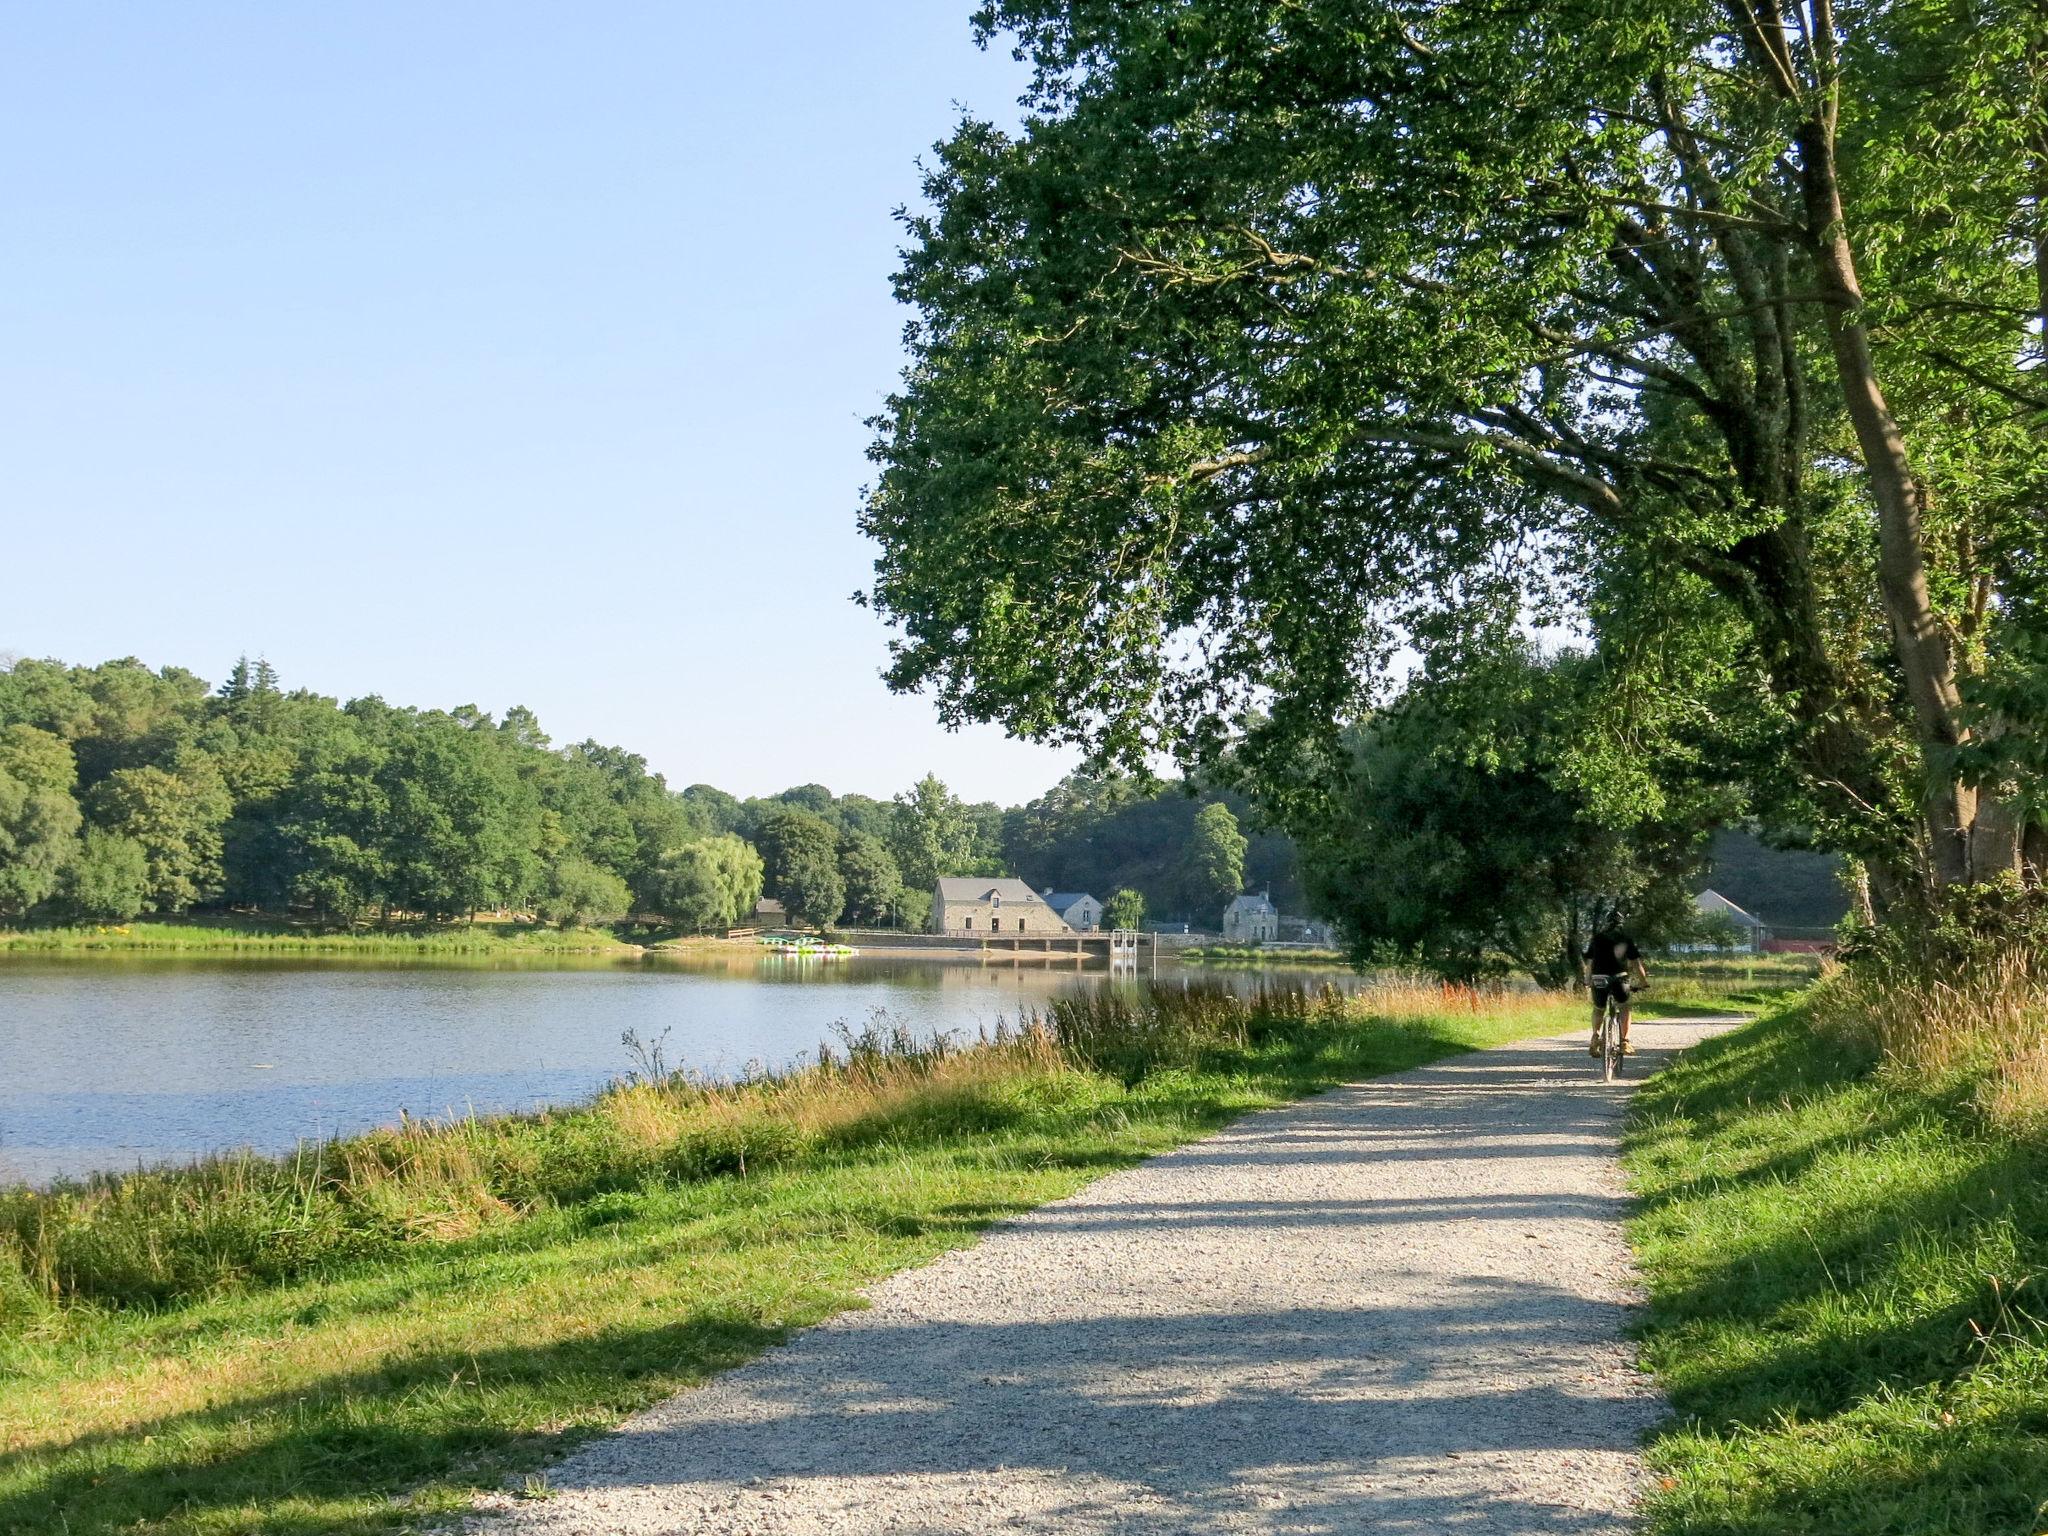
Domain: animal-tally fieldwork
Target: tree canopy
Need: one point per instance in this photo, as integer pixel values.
(1283, 336)
(1488, 821)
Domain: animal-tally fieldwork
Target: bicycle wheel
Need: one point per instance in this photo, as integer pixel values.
(1610, 1044)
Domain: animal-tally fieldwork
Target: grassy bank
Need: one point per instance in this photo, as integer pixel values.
(1256, 954)
(258, 937)
(1848, 1264)
(1746, 982)
(355, 1341)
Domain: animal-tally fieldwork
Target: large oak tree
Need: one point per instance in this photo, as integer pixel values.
(1288, 332)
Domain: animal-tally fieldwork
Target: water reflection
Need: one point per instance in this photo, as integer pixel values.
(111, 1063)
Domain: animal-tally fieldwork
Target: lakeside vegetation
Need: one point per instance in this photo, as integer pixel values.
(248, 937)
(1845, 1242)
(1261, 954)
(127, 791)
(359, 1338)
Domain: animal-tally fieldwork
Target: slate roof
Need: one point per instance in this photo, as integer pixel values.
(980, 887)
(1059, 901)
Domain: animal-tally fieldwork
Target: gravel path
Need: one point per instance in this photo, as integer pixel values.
(1396, 1307)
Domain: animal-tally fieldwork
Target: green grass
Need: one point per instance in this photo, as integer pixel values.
(1254, 954)
(1849, 1296)
(376, 1392)
(255, 936)
(1745, 980)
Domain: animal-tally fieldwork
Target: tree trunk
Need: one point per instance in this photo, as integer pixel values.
(1995, 838)
(1860, 903)
(1925, 658)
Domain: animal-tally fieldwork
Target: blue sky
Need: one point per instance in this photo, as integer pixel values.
(467, 353)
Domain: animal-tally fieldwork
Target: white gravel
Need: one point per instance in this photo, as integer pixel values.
(1396, 1307)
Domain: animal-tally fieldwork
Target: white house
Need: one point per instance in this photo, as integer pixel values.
(1251, 920)
(1750, 931)
(978, 904)
(1077, 909)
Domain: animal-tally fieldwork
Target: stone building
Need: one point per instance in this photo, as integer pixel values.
(1077, 909)
(1251, 920)
(978, 904)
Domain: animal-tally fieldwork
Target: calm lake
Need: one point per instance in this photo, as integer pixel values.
(109, 1063)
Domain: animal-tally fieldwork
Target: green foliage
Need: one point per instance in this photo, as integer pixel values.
(577, 893)
(107, 880)
(800, 861)
(871, 878)
(37, 760)
(1487, 823)
(1968, 932)
(460, 830)
(38, 828)
(259, 797)
(1281, 338)
(1843, 1272)
(39, 819)
(255, 797)
(715, 811)
(708, 886)
(913, 908)
(176, 815)
(1089, 833)
(1212, 867)
(934, 833)
(1124, 909)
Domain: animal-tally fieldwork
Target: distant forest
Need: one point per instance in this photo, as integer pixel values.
(126, 791)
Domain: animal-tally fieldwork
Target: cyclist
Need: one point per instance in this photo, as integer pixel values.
(1609, 956)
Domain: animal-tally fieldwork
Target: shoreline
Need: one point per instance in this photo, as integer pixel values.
(260, 937)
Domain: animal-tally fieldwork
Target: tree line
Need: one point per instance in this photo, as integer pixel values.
(126, 790)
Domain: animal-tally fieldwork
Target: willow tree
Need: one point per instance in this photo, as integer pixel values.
(1284, 333)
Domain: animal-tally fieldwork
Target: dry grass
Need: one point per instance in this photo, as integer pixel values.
(1985, 1029)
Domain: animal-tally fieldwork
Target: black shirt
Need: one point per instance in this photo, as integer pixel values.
(1610, 953)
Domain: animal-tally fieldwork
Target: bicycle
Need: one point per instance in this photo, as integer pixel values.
(1612, 1045)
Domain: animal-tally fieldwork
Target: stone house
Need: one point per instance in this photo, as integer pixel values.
(978, 904)
(1251, 920)
(1077, 909)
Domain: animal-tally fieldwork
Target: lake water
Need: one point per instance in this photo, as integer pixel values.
(110, 1063)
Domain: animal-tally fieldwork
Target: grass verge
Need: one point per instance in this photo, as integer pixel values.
(463, 1305)
(1259, 954)
(1848, 1270)
(258, 937)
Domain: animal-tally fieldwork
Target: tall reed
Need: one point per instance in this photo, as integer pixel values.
(1983, 1027)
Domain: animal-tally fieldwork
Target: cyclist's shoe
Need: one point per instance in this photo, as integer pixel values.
(1594, 1048)
(1628, 1047)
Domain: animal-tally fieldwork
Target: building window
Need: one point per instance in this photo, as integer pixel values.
(995, 925)
(969, 923)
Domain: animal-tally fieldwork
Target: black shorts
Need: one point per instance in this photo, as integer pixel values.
(1603, 986)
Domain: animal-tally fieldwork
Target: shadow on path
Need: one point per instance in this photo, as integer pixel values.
(1397, 1307)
